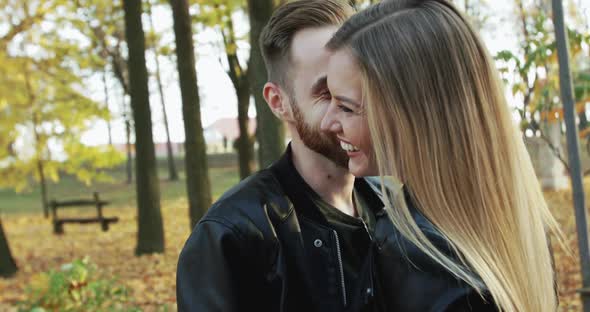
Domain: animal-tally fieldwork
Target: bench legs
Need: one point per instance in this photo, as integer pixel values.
(58, 228)
(104, 225)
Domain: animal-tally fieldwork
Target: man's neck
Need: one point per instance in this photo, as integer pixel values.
(331, 182)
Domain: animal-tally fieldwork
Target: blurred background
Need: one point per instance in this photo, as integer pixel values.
(122, 121)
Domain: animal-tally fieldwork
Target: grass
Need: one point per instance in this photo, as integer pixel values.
(223, 174)
(151, 278)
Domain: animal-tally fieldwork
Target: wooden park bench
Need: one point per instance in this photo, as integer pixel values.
(59, 222)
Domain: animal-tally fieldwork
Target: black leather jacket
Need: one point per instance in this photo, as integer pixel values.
(257, 249)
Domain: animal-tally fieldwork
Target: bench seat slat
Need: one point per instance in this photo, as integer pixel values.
(87, 220)
(83, 202)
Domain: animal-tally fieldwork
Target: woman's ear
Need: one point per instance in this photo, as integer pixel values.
(277, 101)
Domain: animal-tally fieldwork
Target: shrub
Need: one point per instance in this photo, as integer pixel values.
(75, 287)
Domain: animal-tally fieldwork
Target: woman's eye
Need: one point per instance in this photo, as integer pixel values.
(345, 109)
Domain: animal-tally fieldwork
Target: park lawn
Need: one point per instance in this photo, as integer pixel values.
(152, 278)
(118, 192)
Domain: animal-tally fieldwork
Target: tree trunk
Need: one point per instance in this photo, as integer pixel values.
(270, 131)
(150, 232)
(567, 97)
(245, 144)
(552, 173)
(121, 73)
(129, 152)
(40, 169)
(106, 103)
(525, 76)
(172, 172)
(583, 124)
(128, 141)
(7, 264)
(239, 78)
(43, 185)
(197, 176)
(38, 144)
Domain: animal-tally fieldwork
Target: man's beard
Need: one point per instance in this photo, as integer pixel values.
(314, 139)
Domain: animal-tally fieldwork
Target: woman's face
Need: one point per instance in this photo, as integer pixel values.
(346, 116)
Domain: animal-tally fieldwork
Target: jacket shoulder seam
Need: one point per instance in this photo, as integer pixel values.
(226, 223)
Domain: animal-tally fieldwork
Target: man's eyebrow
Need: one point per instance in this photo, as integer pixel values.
(347, 100)
(319, 85)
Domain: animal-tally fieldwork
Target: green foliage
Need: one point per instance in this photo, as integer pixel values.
(44, 109)
(532, 73)
(75, 287)
(217, 14)
(582, 86)
(101, 22)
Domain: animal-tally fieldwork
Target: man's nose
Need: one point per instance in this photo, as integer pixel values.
(329, 122)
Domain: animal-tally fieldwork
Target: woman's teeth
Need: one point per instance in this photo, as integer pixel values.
(348, 147)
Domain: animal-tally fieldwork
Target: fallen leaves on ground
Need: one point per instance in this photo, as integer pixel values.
(152, 278)
(567, 263)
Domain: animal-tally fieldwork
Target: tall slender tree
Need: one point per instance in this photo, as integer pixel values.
(197, 175)
(567, 96)
(40, 141)
(239, 78)
(150, 232)
(220, 16)
(172, 172)
(270, 131)
(106, 104)
(128, 146)
(103, 23)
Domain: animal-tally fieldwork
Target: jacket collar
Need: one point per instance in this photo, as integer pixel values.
(302, 195)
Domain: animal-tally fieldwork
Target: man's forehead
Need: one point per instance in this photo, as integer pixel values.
(309, 45)
(320, 83)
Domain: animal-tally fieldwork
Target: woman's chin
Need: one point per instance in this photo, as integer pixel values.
(362, 169)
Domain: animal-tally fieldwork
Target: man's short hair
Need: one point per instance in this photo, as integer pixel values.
(286, 21)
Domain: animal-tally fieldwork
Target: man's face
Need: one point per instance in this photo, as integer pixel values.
(309, 96)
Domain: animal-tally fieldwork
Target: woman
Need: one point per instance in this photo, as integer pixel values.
(416, 97)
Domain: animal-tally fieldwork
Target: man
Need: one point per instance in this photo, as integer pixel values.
(291, 237)
(303, 234)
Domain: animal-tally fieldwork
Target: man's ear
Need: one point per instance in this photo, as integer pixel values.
(277, 101)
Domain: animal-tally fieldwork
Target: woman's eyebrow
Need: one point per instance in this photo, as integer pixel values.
(347, 100)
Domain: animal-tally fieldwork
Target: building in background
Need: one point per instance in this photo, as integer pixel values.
(221, 135)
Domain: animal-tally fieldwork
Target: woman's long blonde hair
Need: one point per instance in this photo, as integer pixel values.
(440, 124)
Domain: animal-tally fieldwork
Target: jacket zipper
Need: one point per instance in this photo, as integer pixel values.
(369, 291)
(339, 253)
(367, 230)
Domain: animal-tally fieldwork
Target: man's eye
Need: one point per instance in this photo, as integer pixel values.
(326, 95)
